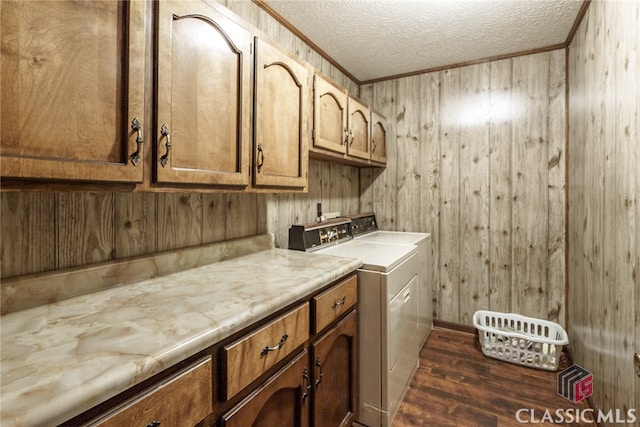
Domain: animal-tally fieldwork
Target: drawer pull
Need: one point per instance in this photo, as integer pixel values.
(267, 349)
(153, 424)
(319, 365)
(337, 304)
(305, 377)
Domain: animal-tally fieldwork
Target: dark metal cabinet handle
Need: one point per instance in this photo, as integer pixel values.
(267, 349)
(135, 126)
(319, 365)
(346, 137)
(153, 424)
(373, 145)
(351, 135)
(165, 132)
(305, 377)
(260, 158)
(337, 304)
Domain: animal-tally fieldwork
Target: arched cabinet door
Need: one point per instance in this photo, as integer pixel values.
(281, 111)
(204, 97)
(378, 138)
(359, 129)
(330, 130)
(283, 400)
(72, 85)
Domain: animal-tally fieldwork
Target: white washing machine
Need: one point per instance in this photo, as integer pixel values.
(387, 314)
(365, 227)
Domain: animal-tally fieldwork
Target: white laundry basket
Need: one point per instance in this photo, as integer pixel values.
(519, 339)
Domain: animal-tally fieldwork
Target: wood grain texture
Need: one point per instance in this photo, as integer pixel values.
(245, 359)
(449, 231)
(474, 191)
(135, 224)
(603, 216)
(85, 228)
(185, 399)
(456, 385)
(500, 253)
(179, 219)
(97, 71)
(488, 181)
(28, 226)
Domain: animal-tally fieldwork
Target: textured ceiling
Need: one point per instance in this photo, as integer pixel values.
(374, 39)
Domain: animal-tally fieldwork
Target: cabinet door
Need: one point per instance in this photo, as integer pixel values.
(282, 401)
(359, 130)
(281, 124)
(329, 116)
(72, 84)
(334, 375)
(204, 124)
(378, 138)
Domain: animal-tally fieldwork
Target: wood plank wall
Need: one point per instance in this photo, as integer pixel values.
(604, 191)
(477, 158)
(47, 231)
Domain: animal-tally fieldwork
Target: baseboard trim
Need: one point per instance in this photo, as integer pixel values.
(460, 327)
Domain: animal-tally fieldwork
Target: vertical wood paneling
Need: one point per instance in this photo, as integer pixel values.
(604, 190)
(85, 228)
(530, 188)
(214, 217)
(487, 181)
(408, 200)
(624, 70)
(430, 173)
(179, 220)
(557, 188)
(500, 142)
(241, 215)
(449, 233)
(135, 223)
(28, 226)
(474, 191)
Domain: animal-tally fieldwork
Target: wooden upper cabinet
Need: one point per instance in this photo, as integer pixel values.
(378, 138)
(359, 129)
(72, 83)
(204, 96)
(329, 116)
(281, 130)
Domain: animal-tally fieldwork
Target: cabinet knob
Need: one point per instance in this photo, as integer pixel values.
(137, 128)
(164, 131)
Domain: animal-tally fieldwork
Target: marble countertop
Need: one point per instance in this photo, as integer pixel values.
(60, 359)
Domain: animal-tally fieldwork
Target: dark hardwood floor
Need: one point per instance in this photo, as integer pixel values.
(456, 385)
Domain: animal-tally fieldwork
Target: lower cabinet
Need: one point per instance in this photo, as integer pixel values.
(334, 358)
(283, 400)
(184, 399)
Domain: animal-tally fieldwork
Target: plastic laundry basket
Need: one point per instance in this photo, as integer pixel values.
(519, 339)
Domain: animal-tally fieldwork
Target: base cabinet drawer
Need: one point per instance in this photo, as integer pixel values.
(182, 400)
(333, 303)
(252, 355)
(283, 400)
